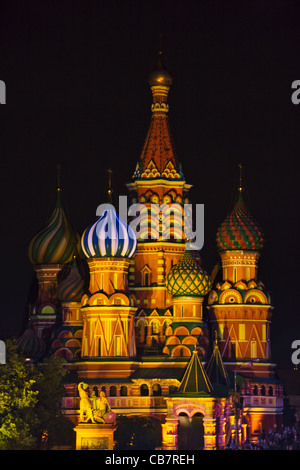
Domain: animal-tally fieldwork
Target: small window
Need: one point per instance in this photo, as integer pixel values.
(146, 279)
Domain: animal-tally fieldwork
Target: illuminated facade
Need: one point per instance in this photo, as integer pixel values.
(133, 323)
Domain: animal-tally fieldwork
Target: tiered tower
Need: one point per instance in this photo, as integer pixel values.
(158, 185)
(67, 336)
(188, 284)
(240, 314)
(49, 250)
(108, 339)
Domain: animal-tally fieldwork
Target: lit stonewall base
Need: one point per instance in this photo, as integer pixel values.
(90, 436)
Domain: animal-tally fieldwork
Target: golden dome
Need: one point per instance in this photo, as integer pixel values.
(159, 75)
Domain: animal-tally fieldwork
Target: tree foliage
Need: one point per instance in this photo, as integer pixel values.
(30, 403)
(17, 402)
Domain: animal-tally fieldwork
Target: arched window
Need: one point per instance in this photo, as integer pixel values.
(263, 390)
(113, 391)
(155, 327)
(255, 390)
(156, 390)
(270, 391)
(144, 390)
(123, 391)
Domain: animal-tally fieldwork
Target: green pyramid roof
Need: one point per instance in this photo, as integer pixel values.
(195, 380)
(215, 368)
(217, 373)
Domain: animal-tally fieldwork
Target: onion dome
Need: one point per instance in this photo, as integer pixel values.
(30, 346)
(71, 287)
(110, 236)
(239, 231)
(55, 243)
(187, 278)
(159, 75)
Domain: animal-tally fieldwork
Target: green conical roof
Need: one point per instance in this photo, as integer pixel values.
(195, 380)
(215, 369)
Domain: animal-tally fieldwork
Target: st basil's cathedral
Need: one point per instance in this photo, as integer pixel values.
(140, 319)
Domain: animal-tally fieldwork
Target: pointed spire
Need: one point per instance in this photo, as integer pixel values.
(195, 380)
(158, 158)
(110, 190)
(241, 178)
(58, 185)
(215, 369)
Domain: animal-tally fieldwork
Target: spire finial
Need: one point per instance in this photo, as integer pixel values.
(216, 338)
(110, 190)
(241, 178)
(160, 40)
(58, 187)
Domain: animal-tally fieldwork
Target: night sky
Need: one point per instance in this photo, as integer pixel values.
(77, 94)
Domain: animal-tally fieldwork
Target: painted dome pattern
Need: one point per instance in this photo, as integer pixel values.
(55, 243)
(71, 288)
(239, 231)
(30, 345)
(188, 278)
(110, 236)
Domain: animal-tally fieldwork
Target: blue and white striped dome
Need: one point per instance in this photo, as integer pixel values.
(110, 236)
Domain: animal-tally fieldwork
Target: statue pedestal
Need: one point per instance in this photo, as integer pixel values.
(94, 436)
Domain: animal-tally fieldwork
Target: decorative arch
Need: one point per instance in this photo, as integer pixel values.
(73, 343)
(64, 353)
(190, 412)
(181, 330)
(141, 326)
(230, 296)
(189, 340)
(197, 331)
(119, 298)
(181, 351)
(98, 299)
(146, 275)
(155, 326)
(65, 334)
(84, 300)
(172, 340)
(241, 285)
(255, 296)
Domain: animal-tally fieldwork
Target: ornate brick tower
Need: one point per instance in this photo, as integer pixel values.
(108, 340)
(159, 185)
(240, 314)
(49, 250)
(188, 284)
